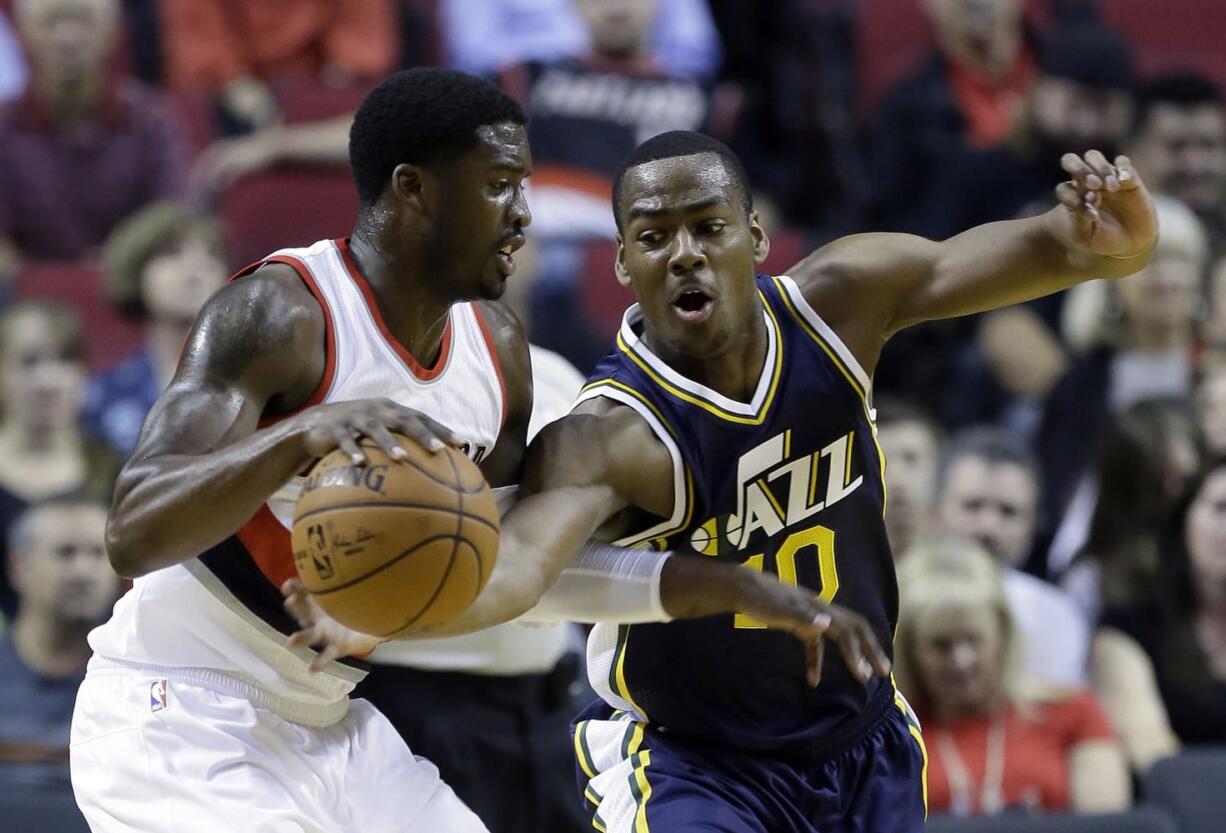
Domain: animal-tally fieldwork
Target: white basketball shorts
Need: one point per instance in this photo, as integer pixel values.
(150, 752)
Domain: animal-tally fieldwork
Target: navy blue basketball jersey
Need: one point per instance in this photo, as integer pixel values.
(790, 483)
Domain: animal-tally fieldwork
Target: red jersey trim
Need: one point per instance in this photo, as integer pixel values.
(493, 351)
(325, 382)
(444, 353)
(268, 542)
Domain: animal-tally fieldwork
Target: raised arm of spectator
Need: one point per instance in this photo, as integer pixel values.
(870, 286)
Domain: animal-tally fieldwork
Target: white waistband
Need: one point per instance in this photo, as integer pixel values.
(315, 715)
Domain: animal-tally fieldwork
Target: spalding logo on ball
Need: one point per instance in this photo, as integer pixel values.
(393, 545)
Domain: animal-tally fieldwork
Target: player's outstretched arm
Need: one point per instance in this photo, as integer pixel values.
(581, 473)
(202, 466)
(869, 286)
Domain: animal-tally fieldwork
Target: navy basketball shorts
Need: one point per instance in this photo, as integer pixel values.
(636, 778)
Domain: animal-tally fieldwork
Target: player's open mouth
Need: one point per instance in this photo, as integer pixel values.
(505, 255)
(693, 306)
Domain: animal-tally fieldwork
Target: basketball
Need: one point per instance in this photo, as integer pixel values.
(395, 544)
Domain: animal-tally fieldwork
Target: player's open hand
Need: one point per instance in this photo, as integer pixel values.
(328, 637)
(343, 424)
(812, 621)
(1111, 208)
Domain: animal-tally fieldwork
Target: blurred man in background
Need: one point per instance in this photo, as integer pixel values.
(989, 492)
(911, 442)
(84, 147)
(65, 584)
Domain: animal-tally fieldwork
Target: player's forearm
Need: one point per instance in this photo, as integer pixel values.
(169, 508)
(540, 536)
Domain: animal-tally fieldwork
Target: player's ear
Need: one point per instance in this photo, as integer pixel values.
(761, 243)
(409, 185)
(619, 266)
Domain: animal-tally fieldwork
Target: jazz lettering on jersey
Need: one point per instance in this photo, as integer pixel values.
(778, 493)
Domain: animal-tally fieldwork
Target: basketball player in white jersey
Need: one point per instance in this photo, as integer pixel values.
(196, 714)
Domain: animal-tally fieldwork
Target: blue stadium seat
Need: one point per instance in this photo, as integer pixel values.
(1139, 820)
(1192, 786)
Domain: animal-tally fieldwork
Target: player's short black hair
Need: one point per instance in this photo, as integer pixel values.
(681, 143)
(1182, 89)
(421, 116)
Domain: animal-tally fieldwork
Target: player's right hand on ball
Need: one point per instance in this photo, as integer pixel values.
(342, 424)
(319, 631)
(799, 612)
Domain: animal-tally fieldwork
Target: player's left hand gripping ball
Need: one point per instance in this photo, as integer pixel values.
(1114, 215)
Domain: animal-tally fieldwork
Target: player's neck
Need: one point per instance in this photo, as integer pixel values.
(734, 372)
(51, 648)
(414, 310)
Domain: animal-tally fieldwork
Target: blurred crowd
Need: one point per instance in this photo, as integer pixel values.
(1057, 484)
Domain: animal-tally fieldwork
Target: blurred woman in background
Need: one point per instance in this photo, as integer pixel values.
(43, 451)
(995, 741)
(1160, 663)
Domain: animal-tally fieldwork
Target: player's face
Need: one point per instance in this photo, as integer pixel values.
(910, 477)
(1205, 534)
(483, 212)
(689, 250)
(959, 651)
(992, 503)
(66, 574)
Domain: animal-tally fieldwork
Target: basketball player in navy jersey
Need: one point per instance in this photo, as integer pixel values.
(734, 420)
(195, 714)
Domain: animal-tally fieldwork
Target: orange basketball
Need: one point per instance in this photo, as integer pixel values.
(395, 544)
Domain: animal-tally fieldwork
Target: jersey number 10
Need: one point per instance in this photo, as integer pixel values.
(816, 539)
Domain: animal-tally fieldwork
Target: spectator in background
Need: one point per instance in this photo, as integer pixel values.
(1140, 333)
(999, 366)
(161, 266)
(235, 48)
(13, 71)
(1180, 144)
(43, 452)
(1210, 401)
(585, 117)
(1160, 664)
(485, 37)
(82, 148)
(911, 443)
(59, 568)
(989, 493)
(1146, 456)
(967, 94)
(996, 740)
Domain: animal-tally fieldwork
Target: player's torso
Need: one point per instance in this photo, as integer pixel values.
(789, 483)
(230, 594)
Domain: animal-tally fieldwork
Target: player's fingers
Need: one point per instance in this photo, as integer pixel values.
(1081, 173)
(877, 659)
(441, 431)
(347, 441)
(1129, 178)
(327, 655)
(853, 654)
(384, 439)
(1070, 197)
(1104, 169)
(815, 652)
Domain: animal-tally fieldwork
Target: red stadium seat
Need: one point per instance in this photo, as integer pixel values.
(287, 206)
(111, 337)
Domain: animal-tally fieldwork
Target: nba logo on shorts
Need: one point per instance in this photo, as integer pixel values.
(157, 696)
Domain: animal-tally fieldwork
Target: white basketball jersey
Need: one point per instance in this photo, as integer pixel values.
(221, 613)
